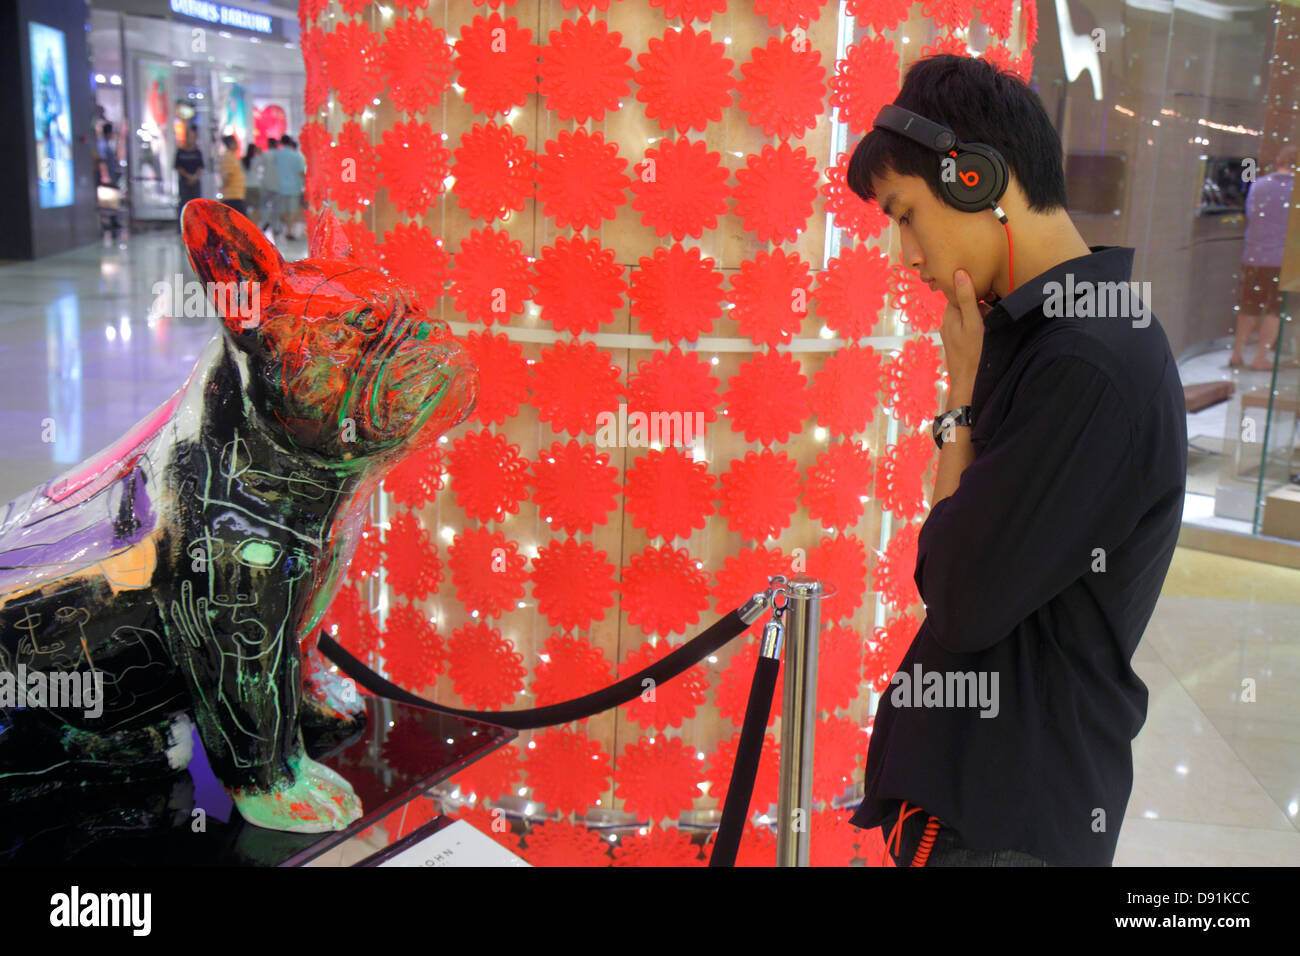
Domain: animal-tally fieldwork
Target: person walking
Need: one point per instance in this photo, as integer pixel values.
(264, 170)
(232, 175)
(252, 185)
(291, 173)
(189, 166)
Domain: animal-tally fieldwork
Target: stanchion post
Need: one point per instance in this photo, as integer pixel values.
(798, 720)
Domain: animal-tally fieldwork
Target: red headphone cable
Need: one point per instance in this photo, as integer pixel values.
(1011, 252)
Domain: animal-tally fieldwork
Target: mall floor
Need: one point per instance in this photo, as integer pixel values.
(1216, 778)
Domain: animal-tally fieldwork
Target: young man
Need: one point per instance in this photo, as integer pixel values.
(1005, 736)
(290, 173)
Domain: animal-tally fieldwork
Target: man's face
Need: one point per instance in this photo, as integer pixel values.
(936, 239)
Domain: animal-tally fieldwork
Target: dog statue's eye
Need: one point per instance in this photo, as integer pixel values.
(365, 319)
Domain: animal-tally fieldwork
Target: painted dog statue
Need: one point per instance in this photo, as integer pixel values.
(179, 569)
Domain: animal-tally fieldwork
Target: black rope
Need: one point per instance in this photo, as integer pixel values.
(740, 791)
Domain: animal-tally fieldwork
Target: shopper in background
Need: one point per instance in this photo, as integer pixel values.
(189, 164)
(291, 172)
(109, 183)
(264, 171)
(232, 175)
(252, 185)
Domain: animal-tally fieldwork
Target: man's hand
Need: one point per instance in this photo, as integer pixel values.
(962, 334)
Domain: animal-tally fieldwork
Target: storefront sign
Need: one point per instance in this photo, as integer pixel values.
(224, 16)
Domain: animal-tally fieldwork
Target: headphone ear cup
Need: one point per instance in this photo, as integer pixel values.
(981, 178)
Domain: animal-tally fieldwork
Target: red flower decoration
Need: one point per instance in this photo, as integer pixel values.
(681, 188)
(688, 10)
(494, 172)
(417, 812)
(842, 562)
(489, 476)
(948, 14)
(839, 670)
(572, 583)
(416, 479)
(412, 255)
(353, 176)
(362, 241)
(416, 59)
(668, 494)
(352, 64)
(861, 219)
(673, 380)
(746, 572)
(900, 475)
(664, 590)
(316, 91)
(579, 285)
(843, 393)
(893, 575)
(488, 571)
(568, 668)
(836, 486)
(865, 80)
(732, 698)
(573, 384)
(851, 291)
(766, 782)
(585, 6)
(759, 493)
(782, 87)
(685, 79)
(503, 376)
(493, 824)
(838, 745)
(486, 671)
(369, 553)
(414, 164)
(833, 838)
(664, 705)
(775, 191)
(757, 846)
(497, 60)
(414, 654)
(1000, 57)
(676, 294)
(574, 486)
(922, 307)
(880, 663)
(314, 141)
(947, 43)
(567, 770)
(580, 179)
(911, 381)
(766, 399)
(490, 277)
(585, 70)
(658, 778)
(770, 295)
(882, 15)
(411, 558)
(789, 14)
(350, 622)
(658, 848)
(492, 776)
(997, 15)
(559, 843)
(1029, 26)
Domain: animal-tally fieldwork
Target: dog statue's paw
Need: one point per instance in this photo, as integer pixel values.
(316, 800)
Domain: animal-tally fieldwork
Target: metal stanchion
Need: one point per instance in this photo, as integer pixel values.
(798, 718)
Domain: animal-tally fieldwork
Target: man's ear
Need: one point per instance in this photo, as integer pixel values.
(227, 250)
(329, 241)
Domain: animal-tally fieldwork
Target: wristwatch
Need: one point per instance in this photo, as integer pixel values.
(949, 419)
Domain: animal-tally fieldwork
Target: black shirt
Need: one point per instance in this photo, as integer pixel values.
(1040, 572)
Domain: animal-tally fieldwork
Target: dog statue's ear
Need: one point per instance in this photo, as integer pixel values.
(233, 257)
(329, 241)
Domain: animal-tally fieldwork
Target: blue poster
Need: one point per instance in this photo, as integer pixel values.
(51, 108)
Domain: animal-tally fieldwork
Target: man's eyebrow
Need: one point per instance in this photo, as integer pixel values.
(888, 204)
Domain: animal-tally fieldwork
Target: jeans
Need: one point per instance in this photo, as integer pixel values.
(948, 849)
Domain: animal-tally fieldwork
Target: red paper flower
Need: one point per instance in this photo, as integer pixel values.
(775, 191)
(362, 241)
(893, 574)
(572, 583)
(585, 70)
(681, 188)
(494, 172)
(414, 256)
(758, 494)
(658, 778)
(503, 376)
(688, 10)
(663, 705)
(843, 393)
(585, 6)
(766, 782)
(414, 654)
(308, 11)
(490, 277)
(947, 43)
(497, 60)
(880, 663)
(411, 5)
(851, 291)
(658, 848)
(416, 59)
(668, 493)
(579, 285)
(1029, 26)
(732, 698)
(948, 14)
(1000, 57)
(833, 837)
(413, 163)
(770, 295)
(573, 383)
(314, 141)
(900, 475)
(685, 79)
(559, 843)
(416, 479)
(486, 671)
(417, 812)
(839, 744)
(865, 80)
(574, 486)
(860, 219)
(350, 622)
(841, 561)
(368, 554)
(882, 15)
(492, 776)
(836, 485)
(664, 590)
(352, 64)
(782, 87)
(676, 294)
(580, 179)
(996, 15)
(911, 382)
(745, 573)
(673, 381)
(492, 824)
(567, 770)
(923, 308)
(789, 14)
(765, 398)
(354, 175)
(316, 91)
(757, 846)
(488, 571)
(568, 668)
(489, 476)
(411, 558)
(839, 670)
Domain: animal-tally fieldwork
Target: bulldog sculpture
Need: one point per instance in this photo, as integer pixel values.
(179, 569)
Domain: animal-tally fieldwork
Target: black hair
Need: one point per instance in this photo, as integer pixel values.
(108, 130)
(287, 140)
(249, 154)
(229, 142)
(981, 104)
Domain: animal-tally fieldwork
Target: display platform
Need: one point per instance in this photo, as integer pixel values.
(189, 820)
